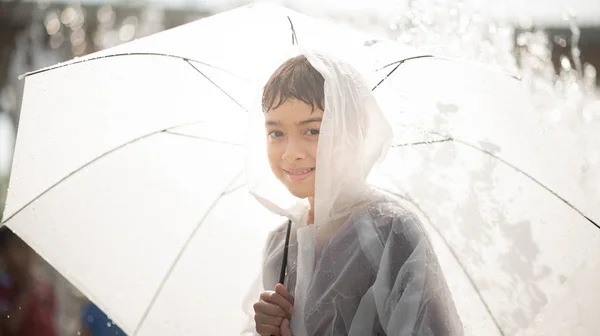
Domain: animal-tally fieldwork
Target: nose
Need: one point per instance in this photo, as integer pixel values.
(294, 150)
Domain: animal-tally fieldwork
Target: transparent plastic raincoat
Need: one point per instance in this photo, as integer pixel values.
(366, 266)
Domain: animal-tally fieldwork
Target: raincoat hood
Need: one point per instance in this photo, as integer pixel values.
(354, 136)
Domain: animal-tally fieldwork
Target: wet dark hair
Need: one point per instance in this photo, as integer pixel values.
(297, 79)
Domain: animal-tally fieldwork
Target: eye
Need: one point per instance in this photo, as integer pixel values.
(313, 131)
(275, 134)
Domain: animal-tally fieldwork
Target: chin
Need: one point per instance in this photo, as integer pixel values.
(302, 195)
(299, 192)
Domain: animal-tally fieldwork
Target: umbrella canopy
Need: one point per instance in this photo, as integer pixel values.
(127, 178)
(505, 198)
(123, 157)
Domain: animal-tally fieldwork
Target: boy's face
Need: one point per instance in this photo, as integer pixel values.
(292, 139)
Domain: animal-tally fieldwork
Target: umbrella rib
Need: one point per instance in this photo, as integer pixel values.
(215, 84)
(180, 254)
(408, 59)
(202, 138)
(454, 255)
(530, 177)
(66, 64)
(234, 189)
(422, 143)
(508, 164)
(435, 57)
(91, 162)
(294, 37)
(386, 76)
(398, 64)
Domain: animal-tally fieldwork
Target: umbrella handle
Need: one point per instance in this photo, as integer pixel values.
(285, 253)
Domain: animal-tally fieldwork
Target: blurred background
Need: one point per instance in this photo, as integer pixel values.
(554, 47)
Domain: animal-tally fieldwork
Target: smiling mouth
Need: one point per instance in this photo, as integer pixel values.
(300, 174)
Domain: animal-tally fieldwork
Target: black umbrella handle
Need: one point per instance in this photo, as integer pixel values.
(285, 253)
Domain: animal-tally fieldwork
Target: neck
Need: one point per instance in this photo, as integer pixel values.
(311, 211)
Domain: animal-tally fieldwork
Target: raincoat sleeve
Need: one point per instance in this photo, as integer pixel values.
(267, 279)
(410, 292)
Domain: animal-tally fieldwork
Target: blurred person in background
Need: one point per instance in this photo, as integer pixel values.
(26, 303)
(94, 322)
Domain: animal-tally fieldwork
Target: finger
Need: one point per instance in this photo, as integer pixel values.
(285, 328)
(267, 330)
(261, 318)
(281, 290)
(269, 309)
(279, 300)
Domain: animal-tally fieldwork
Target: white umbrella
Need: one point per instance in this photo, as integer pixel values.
(131, 186)
(128, 166)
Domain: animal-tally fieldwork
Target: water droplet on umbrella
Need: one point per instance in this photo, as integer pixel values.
(447, 108)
